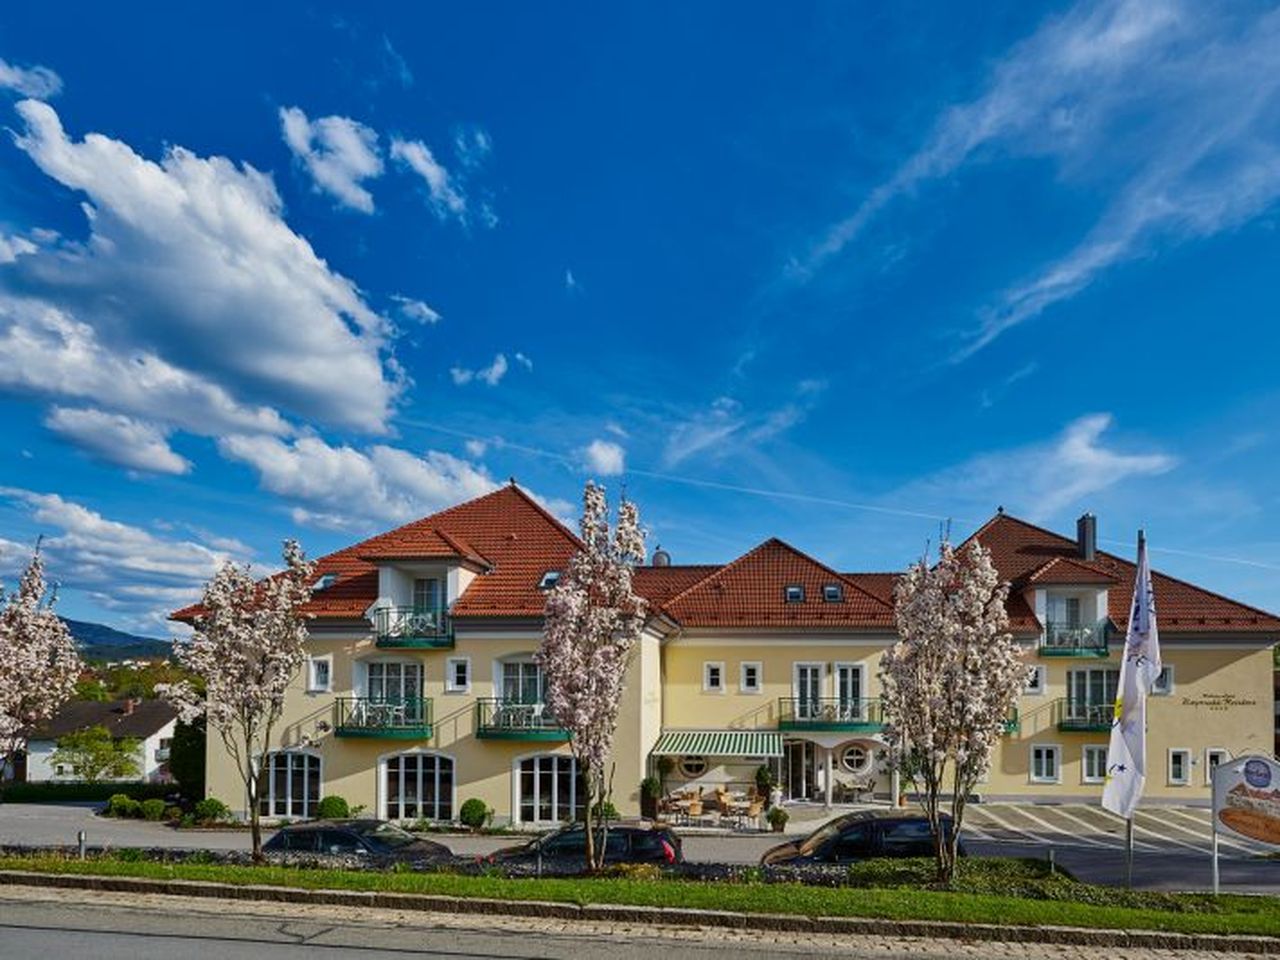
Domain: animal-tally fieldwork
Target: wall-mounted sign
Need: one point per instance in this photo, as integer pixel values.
(1218, 701)
(1246, 799)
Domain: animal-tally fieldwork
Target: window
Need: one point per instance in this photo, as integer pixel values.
(320, 675)
(549, 580)
(427, 595)
(339, 842)
(1063, 611)
(1214, 756)
(1045, 764)
(324, 583)
(1091, 695)
(713, 677)
(911, 838)
(793, 593)
(293, 784)
(691, 767)
(832, 593)
(392, 680)
(749, 681)
(457, 675)
(521, 681)
(1163, 684)
(1179, 767)
(849, 702)
(419, 785)
(1095, 764)
(853, 844)
(808, 690)
(855, 758)
(1035, 681)
(549, 791)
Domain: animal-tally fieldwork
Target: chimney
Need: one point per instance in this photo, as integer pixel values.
(1087, 536)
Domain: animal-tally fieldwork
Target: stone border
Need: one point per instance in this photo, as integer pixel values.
(607, 913)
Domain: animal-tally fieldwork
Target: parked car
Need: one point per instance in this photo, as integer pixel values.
(860, 836)
(375, 838)
(566, 849)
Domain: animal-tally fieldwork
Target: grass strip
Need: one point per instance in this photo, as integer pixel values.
(1233, 914)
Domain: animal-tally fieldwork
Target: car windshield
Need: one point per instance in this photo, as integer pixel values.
(819, 837)
(387, 834)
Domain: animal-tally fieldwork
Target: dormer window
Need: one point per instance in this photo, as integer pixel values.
(549, 580)
(832, 593)
(324, 583)
(793, 593)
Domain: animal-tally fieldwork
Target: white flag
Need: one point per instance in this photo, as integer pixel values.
(1127, 752)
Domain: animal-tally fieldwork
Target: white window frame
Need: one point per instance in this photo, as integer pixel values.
(268, 793)
(1057, 763)
(799, 593)
(558, 803)
(743, 686)
(450, 682)
(707, 666)
(312, 686)
(1185, 781)
(1208, 767)
(1158, 691)
(383, 799)
(1084, 763)
(1039, 670)
(832, 593)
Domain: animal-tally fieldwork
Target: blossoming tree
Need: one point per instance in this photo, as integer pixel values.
(247, 647)
(39, 665)
(593, 620)
(949, 683)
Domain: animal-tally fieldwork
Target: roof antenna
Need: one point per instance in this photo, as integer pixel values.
(1000, 510)
(511, 481)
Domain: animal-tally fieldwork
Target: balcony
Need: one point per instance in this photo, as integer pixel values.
(1074, 640)
(513, 720)
(404, 718)
(1012, 722)
(400, 628)
(829, 713)
(1083, 716)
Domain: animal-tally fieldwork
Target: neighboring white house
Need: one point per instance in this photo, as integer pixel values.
(150, 722)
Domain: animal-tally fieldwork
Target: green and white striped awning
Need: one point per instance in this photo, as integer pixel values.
(719, 743)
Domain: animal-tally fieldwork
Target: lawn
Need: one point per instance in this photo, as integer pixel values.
(1030, 896)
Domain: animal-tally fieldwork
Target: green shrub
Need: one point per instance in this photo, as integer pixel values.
(130, 855)
(778, 818)
(474, 814)
(172, 814)
(202, 856)
(333, 808)
(651, 787)
(129, 807)
(605, 810)
(116, 804)
(634, 871)
(187, 820)
(153, 809)
(211, 810)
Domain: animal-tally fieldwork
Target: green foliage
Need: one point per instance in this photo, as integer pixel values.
(130, 855)
(117, 803)
(187, 820)
(91, 688)
(153, 809)
(764, 779)
(186, 758)
(665, 766)
(604, 810)
(474, 814)
(645, 872)
(651, 787)
(777, 818)
(96, 756)
(78, 792)
(333, 807)
(211, 810)
(173, 814)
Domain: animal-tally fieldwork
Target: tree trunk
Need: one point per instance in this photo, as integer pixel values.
(254, 785)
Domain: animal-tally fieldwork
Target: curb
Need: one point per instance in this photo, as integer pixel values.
(674, 916)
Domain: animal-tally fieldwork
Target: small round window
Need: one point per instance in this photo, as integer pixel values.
(693, 766)
(855, 758)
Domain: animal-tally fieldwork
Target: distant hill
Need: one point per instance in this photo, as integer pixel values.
(100, 642)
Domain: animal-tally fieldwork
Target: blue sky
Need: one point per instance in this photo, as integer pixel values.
(830, 272)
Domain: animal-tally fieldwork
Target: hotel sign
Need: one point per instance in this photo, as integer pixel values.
(1246, 799)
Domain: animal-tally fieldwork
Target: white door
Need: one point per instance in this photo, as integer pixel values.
(808, 690)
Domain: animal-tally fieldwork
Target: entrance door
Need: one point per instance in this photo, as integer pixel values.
(808, 691)
(800, 770)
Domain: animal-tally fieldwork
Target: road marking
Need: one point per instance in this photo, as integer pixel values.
(1156, 833)
(1082, 839)
(1116, 836)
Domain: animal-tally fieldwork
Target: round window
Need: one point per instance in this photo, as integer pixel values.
(855, 758)
(693, 766)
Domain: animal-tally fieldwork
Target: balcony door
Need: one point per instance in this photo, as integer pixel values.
(849, 691)
(428, 595)
(1064, 612)
(808, 690)
(1091, 694)
(521, 682)
(391, 680)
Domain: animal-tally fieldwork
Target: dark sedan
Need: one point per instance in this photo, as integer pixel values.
(860, 836)
(566, 849)
(373, 838)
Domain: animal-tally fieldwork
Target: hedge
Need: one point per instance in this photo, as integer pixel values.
(68, 792)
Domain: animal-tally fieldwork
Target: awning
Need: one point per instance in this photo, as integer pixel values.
(719, 743)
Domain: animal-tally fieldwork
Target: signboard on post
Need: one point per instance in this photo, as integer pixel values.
(1246, 802)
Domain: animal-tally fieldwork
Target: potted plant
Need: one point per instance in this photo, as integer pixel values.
(765, 784)
(650, 791)
(777, 818)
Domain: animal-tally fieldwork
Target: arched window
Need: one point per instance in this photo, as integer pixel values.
(292, 787)
(549, 789)
(418, 786)
(691, 767)
(855, 758)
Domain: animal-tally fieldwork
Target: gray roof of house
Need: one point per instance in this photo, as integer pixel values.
(148, 717)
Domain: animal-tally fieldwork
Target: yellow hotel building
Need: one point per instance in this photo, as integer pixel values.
(420, 689)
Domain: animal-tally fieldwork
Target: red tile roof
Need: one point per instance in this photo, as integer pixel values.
(660, 584)
(750, 592)
(1063, 570)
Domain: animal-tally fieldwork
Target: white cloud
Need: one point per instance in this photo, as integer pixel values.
(492, 374)
(416, 309)
(117, 439)
(604, 457)
(346, 488)
(191, 267)
(617, 430)
(38, 82)
(11, 248)
(1040, 480)
(476, 448)
(396, 64)
(570, 282)
(446, 199)
(524, 361)
(472, 146)
(725, 428)
(1172, 110)
(338, 152)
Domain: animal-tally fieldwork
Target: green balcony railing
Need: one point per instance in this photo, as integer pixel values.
(513, 720)
(396, 718)
(1089, 716)
(406, 627)
(1074, 639)
(829, 713)
(1012, 722)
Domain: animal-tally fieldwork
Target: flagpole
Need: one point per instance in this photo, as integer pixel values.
(1128, 853)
